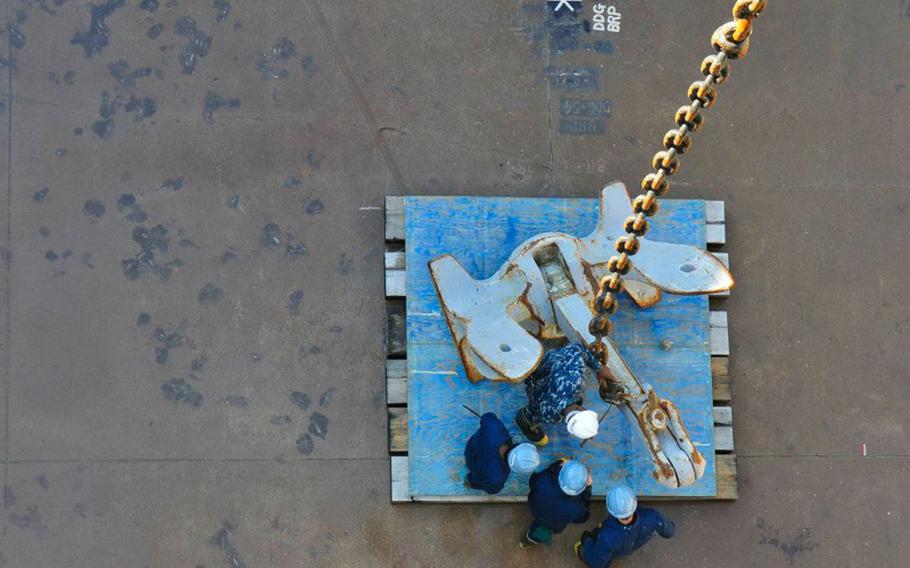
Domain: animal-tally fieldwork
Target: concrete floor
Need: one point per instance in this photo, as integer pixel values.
(266, 166)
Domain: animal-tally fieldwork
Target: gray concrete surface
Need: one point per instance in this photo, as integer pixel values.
(807, 145)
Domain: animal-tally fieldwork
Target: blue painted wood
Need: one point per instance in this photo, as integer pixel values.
(481, 232)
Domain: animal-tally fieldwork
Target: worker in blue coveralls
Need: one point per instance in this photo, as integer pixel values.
(626, 530)
(560, 494)
(491, 455)
(556, 392)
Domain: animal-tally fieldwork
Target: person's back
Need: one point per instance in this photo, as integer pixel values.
(487, 466)
(626, 530)
(614, 539)
(556, 501)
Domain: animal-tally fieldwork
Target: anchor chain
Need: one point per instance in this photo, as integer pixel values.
(730, 41)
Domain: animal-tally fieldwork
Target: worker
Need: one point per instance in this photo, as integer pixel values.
(560, 494)
(627, 529)
(491, 455)
(556, 392)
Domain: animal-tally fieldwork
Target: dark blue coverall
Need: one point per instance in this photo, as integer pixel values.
(487, 469)
(613, 539)
(552, 509)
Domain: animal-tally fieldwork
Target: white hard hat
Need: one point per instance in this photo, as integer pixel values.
(621, 502)
(582, 424)
(573, 477)
(524, 458)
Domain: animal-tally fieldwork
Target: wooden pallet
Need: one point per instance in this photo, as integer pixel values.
(396, 363)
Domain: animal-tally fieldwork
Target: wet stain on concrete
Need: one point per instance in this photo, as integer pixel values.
(291, 182)
(93, 208)
(81, 510)
(168, 340)
(173, 184)
(346, 264)
(305, 444)
(271, 235)
(120, 71)
(326, 398)
(294, 302)
(86, 259)
(296, 249)
(140, 107)
(222, 541)
(149, 5)
(77, 132)
(198, 45)
(313, 159)
(255, 358)
(209, 294)
(213, 102)
(50, 255)
(42, 481)
(314, 207)
(237, 401)
(143, 319)
(270, 64)
(228, 255)
(308, 65)
(98, 35)
(233, 201)
(792, 548)
(300, 399)
(198, 364)
(16, 37)
(41, 195)
(177, 390)
(281, 420)
(149, 241)
(127, 202)
(44, 232)
(319, 425)
(9, 498)
(222, 10)
(155, 31)
(60, 152)
(30, 521)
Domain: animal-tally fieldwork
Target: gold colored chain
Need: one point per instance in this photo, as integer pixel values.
(730, 41)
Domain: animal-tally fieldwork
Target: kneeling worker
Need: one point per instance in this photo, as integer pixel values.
(490, 455)
(556, 392)
(624, 532)
(560, 494)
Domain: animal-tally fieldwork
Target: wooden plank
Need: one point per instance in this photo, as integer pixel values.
(396, 335)
(723, 438)
(726, 476)
(394, 218)
(723, 416)
(395, 284)
(399, 466)
(720, 341)
(396, 376)
(398, 429)
(718, 318)
(720, 375)
(714, 212)
(394, 260)
(716, 234)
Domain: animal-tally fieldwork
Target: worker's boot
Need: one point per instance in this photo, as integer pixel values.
(532, 431)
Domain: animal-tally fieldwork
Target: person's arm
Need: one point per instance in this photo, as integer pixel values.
(592, 555)
(665, 527)
(589, 358)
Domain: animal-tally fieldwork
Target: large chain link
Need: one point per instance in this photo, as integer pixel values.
(730, 41)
